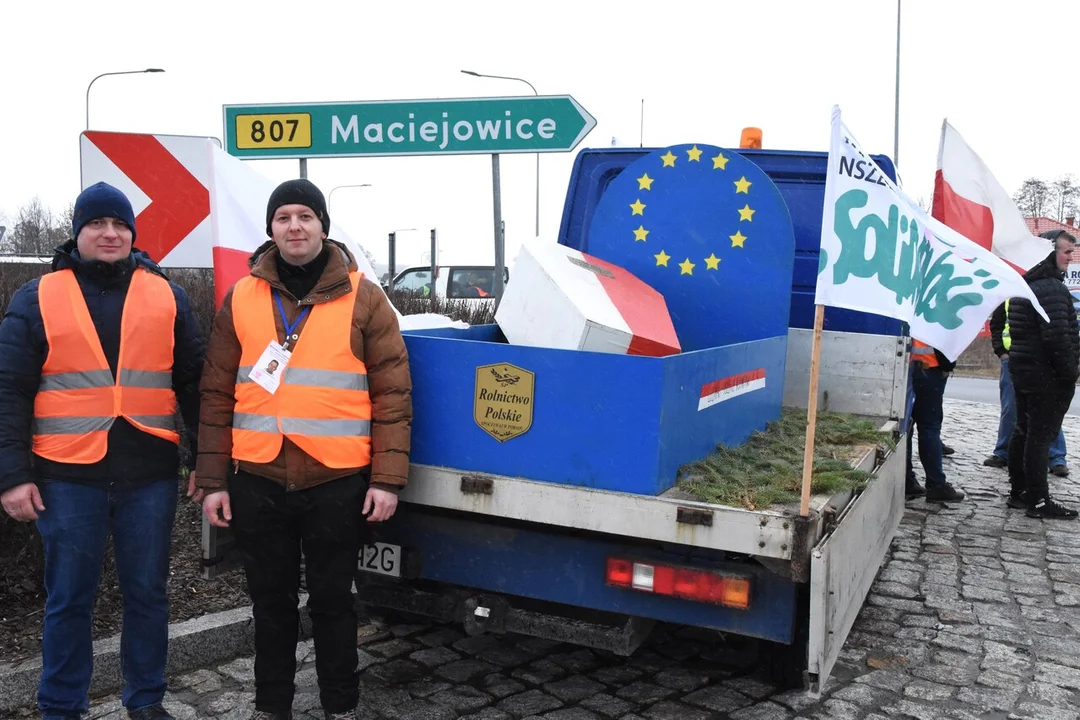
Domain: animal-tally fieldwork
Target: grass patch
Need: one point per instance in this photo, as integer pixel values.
(767, 468)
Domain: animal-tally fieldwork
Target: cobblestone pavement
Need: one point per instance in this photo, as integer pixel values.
(975, 615)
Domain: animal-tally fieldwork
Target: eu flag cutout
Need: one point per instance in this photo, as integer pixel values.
(710, 231)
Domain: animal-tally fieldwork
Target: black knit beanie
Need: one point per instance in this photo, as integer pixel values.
(297, 192)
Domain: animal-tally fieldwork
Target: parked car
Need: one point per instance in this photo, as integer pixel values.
(452, 282)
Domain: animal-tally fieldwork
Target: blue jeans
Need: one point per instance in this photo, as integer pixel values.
(1008, 421)
(927, 413)
(74, 527)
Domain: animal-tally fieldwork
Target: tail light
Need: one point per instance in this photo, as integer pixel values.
(689, 584)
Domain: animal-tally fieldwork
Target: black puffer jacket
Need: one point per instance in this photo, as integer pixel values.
(1042, 353)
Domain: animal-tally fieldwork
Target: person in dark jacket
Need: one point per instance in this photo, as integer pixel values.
(1044, 362)
(91, 374)
(929, 373)
(1001, 341)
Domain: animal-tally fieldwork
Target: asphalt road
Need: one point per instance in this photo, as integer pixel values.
(985, 390)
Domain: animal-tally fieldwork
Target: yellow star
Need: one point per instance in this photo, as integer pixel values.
(644, 182)
(637, 207)
(686, 267)
(668, 158)
(662, 258)
(640, 233)
(737, 239)
(712, 262)
(694, 153)
(742, 185)
(745, 213)
(719, 162)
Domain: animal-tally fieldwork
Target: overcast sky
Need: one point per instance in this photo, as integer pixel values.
(704, 69)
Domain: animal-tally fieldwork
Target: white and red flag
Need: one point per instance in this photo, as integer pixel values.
(969, 199)
(238, 196)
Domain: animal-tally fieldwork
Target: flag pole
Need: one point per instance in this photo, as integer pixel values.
(811, 409)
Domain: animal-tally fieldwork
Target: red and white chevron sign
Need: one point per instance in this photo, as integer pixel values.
(166, 177)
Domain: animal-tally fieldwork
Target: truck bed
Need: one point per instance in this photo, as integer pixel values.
(672, 517)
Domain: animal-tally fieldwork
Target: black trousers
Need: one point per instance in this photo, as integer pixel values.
(272, 527)
(1039, 412)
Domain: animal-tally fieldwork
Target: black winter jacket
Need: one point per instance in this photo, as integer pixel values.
(1042, 353)
(997, 328)
(134, 456)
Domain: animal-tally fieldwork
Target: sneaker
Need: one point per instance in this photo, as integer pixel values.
(349, 715)
(1060, 471)
(1017, 501)
(946, 450)
(1048, 509)
(996, 462)
(943, 493)
(150, 712)
(915, 490)
(264, 715)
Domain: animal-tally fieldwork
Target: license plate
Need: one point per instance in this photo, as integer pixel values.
(381, 559)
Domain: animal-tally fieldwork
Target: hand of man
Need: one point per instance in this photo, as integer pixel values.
(381, 503)
(196, 494)
(21, 501)
(216, 508)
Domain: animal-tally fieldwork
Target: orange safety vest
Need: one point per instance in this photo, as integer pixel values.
(921, 352)
(78, 398)
(322, 401)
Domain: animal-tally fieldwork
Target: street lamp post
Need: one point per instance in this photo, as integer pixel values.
(330, 197)
(504, 77)
(393, 251)
(896, 101)
(121, 72)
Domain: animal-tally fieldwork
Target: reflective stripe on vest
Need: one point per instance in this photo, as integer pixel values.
(322, 403)
(1006, 339)
(923, 353)
(78, 399)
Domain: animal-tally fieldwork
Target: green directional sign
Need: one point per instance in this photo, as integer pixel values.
(456, 126)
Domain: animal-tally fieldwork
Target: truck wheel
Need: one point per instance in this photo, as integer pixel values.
(783, 665)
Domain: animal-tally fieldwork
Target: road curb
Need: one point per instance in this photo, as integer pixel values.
(193, 644)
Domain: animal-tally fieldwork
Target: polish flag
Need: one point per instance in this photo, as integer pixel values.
(732, 386)
(238, 196)
(971, 201)
(563, 298)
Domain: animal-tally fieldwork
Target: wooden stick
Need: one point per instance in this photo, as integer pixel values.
(811, 410)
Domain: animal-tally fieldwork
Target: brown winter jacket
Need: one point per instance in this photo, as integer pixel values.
(376, 341)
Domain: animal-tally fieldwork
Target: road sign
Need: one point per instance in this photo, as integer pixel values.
(455, 126)
(166, 179)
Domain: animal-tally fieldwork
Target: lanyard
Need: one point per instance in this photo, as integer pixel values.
(290, 338)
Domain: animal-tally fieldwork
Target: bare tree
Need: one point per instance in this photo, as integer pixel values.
(32, 230)
(1064, 193)
(1033, 198)
(61, 230)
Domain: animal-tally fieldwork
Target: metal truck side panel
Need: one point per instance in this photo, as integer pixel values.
(860, 373)
(844, 564)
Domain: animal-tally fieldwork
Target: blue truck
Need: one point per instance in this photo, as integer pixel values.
(569, 525)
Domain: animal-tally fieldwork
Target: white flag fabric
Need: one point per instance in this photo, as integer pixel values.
(881, 254)
(238, 196)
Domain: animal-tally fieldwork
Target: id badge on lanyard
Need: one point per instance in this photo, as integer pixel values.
(275, 358)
